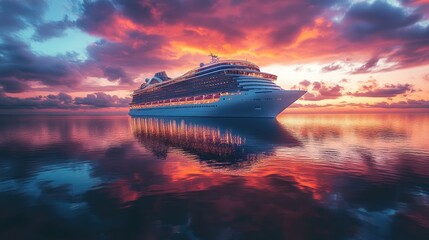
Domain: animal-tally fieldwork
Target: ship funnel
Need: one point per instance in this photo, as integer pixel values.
(162, 75)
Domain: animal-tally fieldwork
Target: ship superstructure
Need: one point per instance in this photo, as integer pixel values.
(229, 88)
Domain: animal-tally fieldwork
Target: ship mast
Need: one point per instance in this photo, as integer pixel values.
(215, 58)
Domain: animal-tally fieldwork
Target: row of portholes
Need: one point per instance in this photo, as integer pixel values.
(162, 108)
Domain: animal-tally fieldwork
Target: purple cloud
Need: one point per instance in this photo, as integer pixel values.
(316, 85)
(305, 83)
(117, 73)
(138, 51)
(63, 101)
(372, 89)
(52, 29)
(365, 20)
(17, 15)
(331, 67)
(12, 85)
(322, 91)
(371, 63)
(403, 104)
(101, 100)
(96, 14)
(59, 101)
(20, 65)
(395, 30)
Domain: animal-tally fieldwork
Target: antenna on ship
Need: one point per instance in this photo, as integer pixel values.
(215, 58)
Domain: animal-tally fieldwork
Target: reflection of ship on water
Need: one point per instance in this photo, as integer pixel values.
(220, 142)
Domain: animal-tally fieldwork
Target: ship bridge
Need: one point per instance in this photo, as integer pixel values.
(159, 77)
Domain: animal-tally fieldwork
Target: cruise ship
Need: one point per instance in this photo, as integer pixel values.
(227, 88)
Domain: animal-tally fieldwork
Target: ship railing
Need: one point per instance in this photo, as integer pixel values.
(202, 99)
(268, 76)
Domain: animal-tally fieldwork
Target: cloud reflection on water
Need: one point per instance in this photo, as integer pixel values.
(298, 177)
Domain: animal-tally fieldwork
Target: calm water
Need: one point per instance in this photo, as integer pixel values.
(297, 177)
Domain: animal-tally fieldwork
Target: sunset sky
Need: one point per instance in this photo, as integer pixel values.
(84, 55)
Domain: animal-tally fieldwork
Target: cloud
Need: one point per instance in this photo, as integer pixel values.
(146, 36)
(331, 67)
(19, 66)
(141, 12)
(96, 15)
(403, 104)
(305, 83)
(379, 18)
(63, 101)
(12, 85)
(101, 100)
(52, 29)
(371, 63)
(18, 15)
(317, 85)
(371, 88)
(117, 73)
(394, 33)
(138, 50)
(60, 101)
(195, 23)
(322, 91)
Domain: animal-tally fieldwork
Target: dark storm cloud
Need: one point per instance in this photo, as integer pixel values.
(17, 15)
(372, 89)
(367, 20)
(286, 18)
(52, 29)
(283, 19)
(100, 14)
(63, 101)
(138, 11)
(20, 65)
(12, 85)
(96, 14)
(144, 53)
(100, 100)
(280, 21)
(171, 11)
(287, 33)
(414, 53)
(116, 73)
(135, 37)
(403, 40)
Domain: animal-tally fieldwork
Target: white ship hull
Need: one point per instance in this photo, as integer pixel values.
(255, 104)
